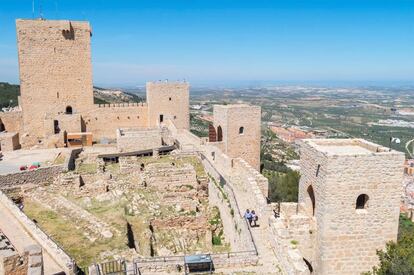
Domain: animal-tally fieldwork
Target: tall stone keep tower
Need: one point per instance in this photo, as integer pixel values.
(352, 189)
(237, 126)
(55, 70)
(168, 100)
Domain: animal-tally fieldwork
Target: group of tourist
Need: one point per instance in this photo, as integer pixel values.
(251, 217)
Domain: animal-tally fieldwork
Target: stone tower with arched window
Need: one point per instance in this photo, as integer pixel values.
(351, 188)
(55, 72)
(168, 101)
(237, 128)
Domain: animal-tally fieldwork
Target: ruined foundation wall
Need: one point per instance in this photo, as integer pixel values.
(169, 177)
(13, 264)
(36, 177)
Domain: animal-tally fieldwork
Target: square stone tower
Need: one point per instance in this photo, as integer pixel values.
(168, 100)
(238, 126)
(352, 189)
(55, 70)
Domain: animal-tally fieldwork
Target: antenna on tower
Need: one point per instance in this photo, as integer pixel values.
(40, 9)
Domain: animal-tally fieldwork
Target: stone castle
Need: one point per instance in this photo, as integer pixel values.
(57, 90)
(343, 215)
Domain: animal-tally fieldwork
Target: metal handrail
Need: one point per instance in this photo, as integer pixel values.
(181, 257)
(228, 184)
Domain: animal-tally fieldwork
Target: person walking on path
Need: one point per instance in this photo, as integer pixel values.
(254, 218)
(248, 216)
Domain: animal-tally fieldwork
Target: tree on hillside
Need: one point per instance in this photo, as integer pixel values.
(283, 187)
(8, 95)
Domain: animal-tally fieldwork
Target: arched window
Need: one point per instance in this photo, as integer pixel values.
(212, 135)
(362, 201)
(219, 134)
(311, 198)
(69, 110)
(241, 130)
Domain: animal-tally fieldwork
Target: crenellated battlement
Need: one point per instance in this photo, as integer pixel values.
(122, 105)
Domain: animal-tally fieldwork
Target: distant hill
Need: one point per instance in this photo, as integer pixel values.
(10, 92)
(102, 95)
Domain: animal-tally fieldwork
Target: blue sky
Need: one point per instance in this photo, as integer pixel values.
(227, 41)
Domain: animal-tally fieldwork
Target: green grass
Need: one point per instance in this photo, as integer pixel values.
(216, 240)
(215, 216)
(87, 168)
(406, 226)
(69, 235)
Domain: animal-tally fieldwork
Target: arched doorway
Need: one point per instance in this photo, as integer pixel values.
(219, 134)
(2, 127)
(69, 110)
(212, 135)
(311, 199)
(56, 127)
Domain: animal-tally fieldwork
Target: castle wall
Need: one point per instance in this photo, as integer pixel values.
(170, 100)
(36, 177)
(9, 141)
(103, 120)
(129, 140)
(12, 121)
(347, 238)
(55, 70)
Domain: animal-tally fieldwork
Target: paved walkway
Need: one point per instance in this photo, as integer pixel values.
(20, 238)
(268, 263)
(11, 161)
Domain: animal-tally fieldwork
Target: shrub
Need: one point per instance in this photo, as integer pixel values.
(216, 240)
